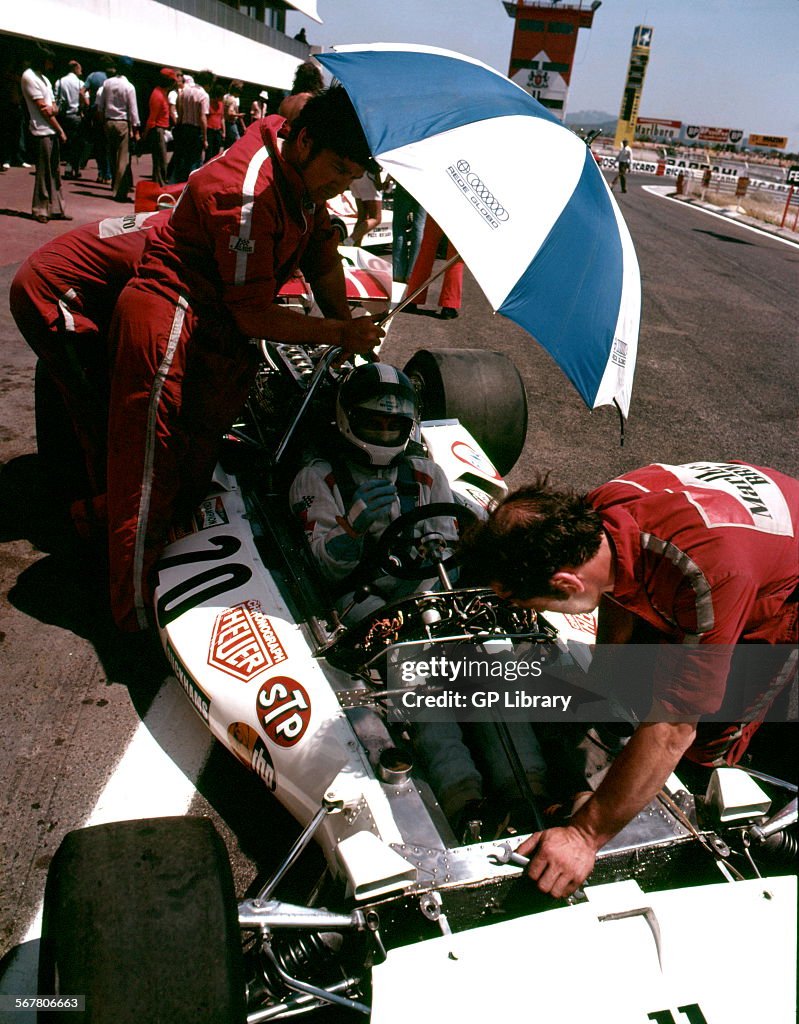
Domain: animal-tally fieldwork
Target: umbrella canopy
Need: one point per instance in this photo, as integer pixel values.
(518, 194)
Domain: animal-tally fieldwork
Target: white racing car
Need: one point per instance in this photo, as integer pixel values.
(688, 917)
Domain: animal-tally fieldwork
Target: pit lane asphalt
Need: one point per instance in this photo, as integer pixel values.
(716, 379)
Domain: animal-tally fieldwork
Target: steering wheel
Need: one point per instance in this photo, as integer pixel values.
(396, 547)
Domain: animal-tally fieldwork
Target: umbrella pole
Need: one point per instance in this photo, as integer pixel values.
(409, 298)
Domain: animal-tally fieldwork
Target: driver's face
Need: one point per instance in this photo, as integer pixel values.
(380, 428)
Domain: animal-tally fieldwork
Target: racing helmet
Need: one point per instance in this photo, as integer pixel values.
(376, 408)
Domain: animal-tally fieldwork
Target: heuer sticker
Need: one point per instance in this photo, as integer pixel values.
(250, 749)
(200, 700)
(244, 642)
(475, 459)
(284, 710)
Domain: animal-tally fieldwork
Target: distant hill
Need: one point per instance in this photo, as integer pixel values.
(589, 119)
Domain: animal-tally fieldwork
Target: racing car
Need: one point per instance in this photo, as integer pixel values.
(688, 916)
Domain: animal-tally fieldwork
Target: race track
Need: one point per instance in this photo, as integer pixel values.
(94, 729)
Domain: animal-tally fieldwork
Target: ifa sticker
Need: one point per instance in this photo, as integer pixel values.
(244, 642)
(250, 749)
(475, 459)
(284, 710)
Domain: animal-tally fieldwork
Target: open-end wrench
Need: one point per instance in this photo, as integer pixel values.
(503, 853)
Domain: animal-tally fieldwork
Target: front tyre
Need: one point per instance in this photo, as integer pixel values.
(141, 918)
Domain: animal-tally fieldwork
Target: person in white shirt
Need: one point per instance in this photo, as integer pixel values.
(70, 99)
(116, 102)
(44, 127)
(191, 132)
(624, 161)
(369, 204)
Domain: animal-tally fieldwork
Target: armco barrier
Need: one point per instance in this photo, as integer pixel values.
(718, 177)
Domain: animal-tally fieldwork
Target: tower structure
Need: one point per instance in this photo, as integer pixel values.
(544, 41)
(634, 85)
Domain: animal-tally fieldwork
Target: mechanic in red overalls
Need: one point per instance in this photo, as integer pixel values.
(62, 299)
(706, 555)
(206, 285)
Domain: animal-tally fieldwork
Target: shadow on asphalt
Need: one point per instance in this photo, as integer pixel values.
(67, 588)
(16, 213)
(722, 238)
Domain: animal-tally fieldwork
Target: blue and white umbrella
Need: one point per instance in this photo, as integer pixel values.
(519, 195)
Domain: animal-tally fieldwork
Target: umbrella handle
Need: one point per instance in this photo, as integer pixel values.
(409, 298)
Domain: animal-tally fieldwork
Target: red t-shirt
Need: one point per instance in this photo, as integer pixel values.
(158, 116)
(216, 114)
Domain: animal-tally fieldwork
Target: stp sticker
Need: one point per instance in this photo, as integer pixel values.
(475, 459)
(244, 642)
(250, 749)
(284, 710)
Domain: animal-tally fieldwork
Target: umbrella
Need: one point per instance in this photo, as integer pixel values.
(519, 195)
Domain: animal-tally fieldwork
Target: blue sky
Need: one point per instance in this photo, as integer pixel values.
(728, 63)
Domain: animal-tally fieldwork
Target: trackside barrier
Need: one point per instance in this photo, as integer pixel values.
(720, 180)
(788, 202)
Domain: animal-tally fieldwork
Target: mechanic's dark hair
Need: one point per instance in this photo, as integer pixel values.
(331, 122)
(533, 533)
(204, 78)
(307, 78)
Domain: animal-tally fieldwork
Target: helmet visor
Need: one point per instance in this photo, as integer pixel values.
(387, 430)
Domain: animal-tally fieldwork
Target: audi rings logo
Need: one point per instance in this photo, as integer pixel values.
(479, 195)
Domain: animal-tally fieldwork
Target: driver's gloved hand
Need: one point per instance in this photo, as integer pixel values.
(371, 500)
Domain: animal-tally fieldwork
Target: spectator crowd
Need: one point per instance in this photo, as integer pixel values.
(60, 117)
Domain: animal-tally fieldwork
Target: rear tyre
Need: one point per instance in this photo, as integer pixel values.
(481, 389)
(141, 918)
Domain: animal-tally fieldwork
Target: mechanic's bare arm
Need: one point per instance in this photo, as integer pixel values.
(564, 857)
(281, 324)
(330, 292)
(48, 111)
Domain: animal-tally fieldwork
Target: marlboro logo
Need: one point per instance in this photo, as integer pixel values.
(243, 642)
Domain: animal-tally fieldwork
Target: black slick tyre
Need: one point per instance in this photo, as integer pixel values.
(140, 917)
(481, 389)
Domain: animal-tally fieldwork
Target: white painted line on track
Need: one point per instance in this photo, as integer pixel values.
(156, 776)
(661, 190)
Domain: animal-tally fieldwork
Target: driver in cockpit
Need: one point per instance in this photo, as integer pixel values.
(368, 474)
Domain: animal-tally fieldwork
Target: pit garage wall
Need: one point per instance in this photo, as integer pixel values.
(151, 32)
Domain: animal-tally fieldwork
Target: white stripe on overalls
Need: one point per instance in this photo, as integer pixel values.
(149, 459)
(694, 577)
(69, 321)
(245, 221)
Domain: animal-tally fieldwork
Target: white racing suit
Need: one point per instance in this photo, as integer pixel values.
(321, 502)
